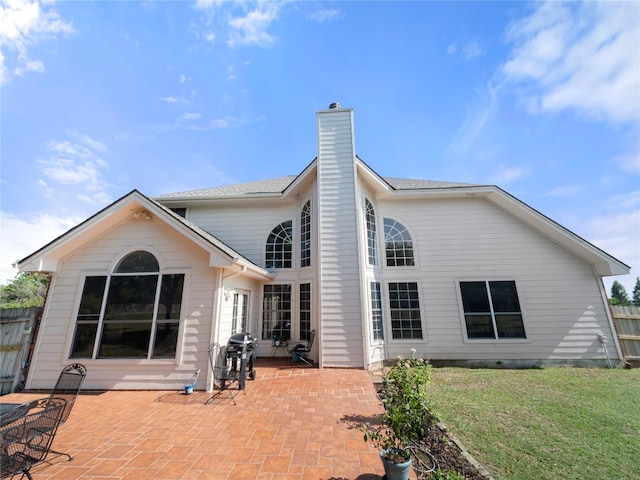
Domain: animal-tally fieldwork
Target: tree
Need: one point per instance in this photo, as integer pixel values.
(619, 294)
(636, 293)
(24, 291)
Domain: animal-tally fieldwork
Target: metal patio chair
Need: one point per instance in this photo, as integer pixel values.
(27, 440)
(223, 374)
(67, 388)
(301, 350)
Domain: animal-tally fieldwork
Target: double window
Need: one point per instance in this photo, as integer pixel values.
(492, 310)
(133, 313)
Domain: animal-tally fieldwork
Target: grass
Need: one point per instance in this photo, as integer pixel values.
(564, 423)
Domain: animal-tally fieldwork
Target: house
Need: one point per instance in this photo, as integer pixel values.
(461, 273)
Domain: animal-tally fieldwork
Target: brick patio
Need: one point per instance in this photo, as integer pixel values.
(290, 423)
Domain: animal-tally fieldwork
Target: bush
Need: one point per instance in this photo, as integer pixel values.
(408, 413)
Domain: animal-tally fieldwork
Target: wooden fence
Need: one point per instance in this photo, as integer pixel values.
(627, 322)
(17, 326)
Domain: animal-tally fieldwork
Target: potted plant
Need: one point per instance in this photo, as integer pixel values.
(406, 417)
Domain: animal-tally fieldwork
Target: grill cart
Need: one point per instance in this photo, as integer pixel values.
(239, 355)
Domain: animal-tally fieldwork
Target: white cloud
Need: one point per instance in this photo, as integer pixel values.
(76, 164)
(325, 15)
(505, 174)
(630, 161)
(471, 50)
(23, 24)
(189, 116)
(23, 236)
(619, 235)
(467, 51)
(478, 116)
(183, 78)
(251, 29)
(580, 56)
(564, 191)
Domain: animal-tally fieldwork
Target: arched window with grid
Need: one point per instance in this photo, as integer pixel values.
(305, 235)
(278, 251)
(397, 244)
(372, 242)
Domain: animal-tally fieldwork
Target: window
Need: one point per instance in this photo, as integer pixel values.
(492, 309)
(372, 242)
(305, 235)
(305, 311)
(278, 250)
(239, 313)
(404, 306)
(133, 313)
(376, 311)
(397, 244)
(276, 312)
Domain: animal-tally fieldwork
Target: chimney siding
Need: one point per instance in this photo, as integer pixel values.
(339, 287)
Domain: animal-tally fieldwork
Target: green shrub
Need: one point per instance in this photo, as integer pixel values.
(407, 412)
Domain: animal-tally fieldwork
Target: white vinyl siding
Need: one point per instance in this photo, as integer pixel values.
(341, 337)
(471, 239)
(176, 255)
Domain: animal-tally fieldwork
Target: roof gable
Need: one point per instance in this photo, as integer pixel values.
(135, 204)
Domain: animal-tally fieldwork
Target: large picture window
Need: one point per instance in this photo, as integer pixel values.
(397, 244)
(132, 313)
(492, 310)
(278, 251)
(404, 306)
(276, 312)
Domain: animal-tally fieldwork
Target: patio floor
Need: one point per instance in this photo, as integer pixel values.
(290, 423)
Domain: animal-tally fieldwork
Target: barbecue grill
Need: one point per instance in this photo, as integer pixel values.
(239, 353)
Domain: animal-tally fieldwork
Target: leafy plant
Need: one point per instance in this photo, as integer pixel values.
(24, 291)
(407, 413)
(445, 475)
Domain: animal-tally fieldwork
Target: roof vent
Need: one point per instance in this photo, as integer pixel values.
(334, 106)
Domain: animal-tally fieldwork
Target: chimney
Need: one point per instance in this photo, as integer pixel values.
(338, 242)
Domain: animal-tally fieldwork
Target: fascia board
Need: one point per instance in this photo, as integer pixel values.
(368, 175)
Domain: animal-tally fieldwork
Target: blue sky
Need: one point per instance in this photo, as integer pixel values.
(99, 98)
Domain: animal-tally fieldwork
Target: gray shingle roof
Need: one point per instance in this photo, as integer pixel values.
(415, 184)
(270, 185)
(277, 185)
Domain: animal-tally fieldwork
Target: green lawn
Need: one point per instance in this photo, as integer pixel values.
(552, 423)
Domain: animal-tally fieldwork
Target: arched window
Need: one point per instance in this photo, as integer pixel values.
(397, 244)
(372, 242)
(138, 317)
(278, 249)
(305, 235)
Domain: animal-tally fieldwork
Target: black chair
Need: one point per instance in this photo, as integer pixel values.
(224, 375)
(27, 440)
(301, 350)
(67, 388)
